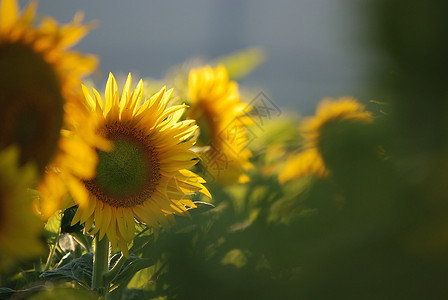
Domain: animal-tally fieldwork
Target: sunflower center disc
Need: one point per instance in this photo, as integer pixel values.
(204, 119)
(122, 171)
(31, 103)
(127, 175)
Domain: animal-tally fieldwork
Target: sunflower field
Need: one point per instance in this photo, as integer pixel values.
(194, 186)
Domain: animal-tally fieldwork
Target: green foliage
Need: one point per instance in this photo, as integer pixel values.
(65, 293)
(66, 221)
(129, 269)
(53, 224)
(79, 269)
(241, 63)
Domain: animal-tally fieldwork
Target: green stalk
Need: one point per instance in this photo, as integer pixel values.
(52, 251)
(100, 265)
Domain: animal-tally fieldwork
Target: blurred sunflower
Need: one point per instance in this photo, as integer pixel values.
(145, 175)
(314, 129)
(42, 111)
(215, 104)
(20, 228)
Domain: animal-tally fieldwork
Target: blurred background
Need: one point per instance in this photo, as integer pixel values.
(314, 48)
(377, 227)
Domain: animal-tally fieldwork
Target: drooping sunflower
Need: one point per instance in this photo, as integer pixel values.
(329, 112)
(145, 174)
(222, 119)
(42, 109)
(20, 228)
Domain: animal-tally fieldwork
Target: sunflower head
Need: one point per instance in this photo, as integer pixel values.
(39, 76)
(144, 175)
(20, 229)
(331, 113)
(222, 119)
(307, 162)
(42, 110)
(327, 135)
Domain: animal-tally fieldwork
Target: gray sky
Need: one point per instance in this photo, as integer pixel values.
(314, 47)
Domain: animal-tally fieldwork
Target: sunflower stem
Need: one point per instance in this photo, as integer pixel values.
(100, 265)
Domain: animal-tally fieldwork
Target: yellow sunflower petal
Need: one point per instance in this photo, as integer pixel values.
(111, 98)
(107, 217)
(9, 12)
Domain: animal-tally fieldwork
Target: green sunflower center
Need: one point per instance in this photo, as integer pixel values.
(128, 174)
(204, 119)
(123, 170)
(31, 103)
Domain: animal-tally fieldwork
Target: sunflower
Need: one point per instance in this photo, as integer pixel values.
(329, 112)
(145, 175)
(42, 108)
(222, 119)
(20, 228)
(74, 162)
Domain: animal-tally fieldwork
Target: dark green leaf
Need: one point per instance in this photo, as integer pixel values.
(66, 221)
(5, 293)
(130, 267)
(201, 207)
(79, 269)
(64, 293)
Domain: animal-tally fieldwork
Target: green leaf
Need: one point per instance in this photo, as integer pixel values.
(201, 207)
(79, 269)
(66, 221)
(130, 268)
(54, 223)
(241, 63)
(64, 293)
(141, 279)
(5, 293)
